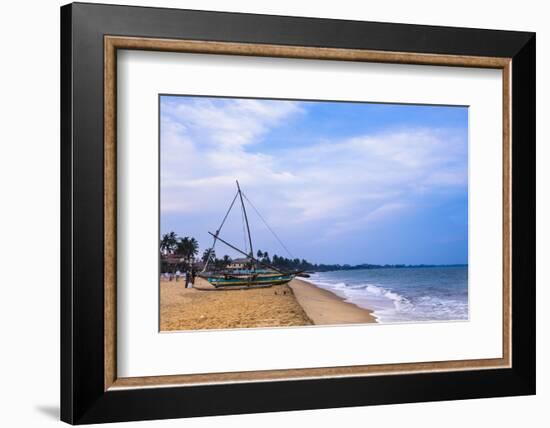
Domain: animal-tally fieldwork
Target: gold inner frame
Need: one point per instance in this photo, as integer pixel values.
(113, 43)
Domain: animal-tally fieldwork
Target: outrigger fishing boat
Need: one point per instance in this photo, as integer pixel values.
(250, 272)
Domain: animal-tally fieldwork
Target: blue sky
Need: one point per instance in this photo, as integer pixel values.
(338, 182)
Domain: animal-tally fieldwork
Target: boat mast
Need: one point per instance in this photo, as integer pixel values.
(245, 219)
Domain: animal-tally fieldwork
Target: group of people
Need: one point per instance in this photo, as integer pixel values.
(189, 277)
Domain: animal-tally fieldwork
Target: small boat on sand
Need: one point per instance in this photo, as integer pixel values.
(248, 272)
(249, 279)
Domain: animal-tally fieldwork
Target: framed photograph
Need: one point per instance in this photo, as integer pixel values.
(266, 213)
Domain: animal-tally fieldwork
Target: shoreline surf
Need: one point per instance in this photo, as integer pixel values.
(402, 295)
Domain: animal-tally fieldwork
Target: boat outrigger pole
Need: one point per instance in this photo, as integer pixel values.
(245, 219)
(218, 232)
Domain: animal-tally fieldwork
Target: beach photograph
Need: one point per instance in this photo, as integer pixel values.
(297, 213)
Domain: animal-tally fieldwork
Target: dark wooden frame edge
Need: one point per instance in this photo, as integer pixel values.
(83, 398)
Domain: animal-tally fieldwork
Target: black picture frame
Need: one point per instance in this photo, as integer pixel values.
(83, 398)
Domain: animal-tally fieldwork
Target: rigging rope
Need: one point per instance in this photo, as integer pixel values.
(267, 225)
(244, 231)
(227, 213)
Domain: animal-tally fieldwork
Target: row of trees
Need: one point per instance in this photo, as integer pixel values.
(215, 262)
(187, 248)
(284, 263)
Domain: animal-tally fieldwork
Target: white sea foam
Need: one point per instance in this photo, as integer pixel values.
(390, 305)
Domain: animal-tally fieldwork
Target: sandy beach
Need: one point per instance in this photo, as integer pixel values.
(326, 308)
(297, 304)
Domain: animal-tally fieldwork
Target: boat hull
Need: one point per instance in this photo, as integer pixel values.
(248, 280)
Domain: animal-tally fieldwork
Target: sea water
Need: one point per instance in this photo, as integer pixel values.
(402, 294)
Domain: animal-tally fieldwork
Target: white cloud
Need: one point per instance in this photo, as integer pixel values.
(346, 183)
(230, 124)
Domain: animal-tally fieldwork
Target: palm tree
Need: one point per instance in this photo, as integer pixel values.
(168, 243)
(208, 254)
(259, 254)
(193, 248)
(188, 248)
(163, 243)
(182, 247)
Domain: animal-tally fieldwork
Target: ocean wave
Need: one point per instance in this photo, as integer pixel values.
(401, 303)
(389, 305)
(353, 292)
(326, 284)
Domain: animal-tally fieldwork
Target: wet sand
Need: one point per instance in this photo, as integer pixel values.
(326, 308)
(297, 304)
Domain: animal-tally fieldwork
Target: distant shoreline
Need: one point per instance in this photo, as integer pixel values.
(337, 267)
